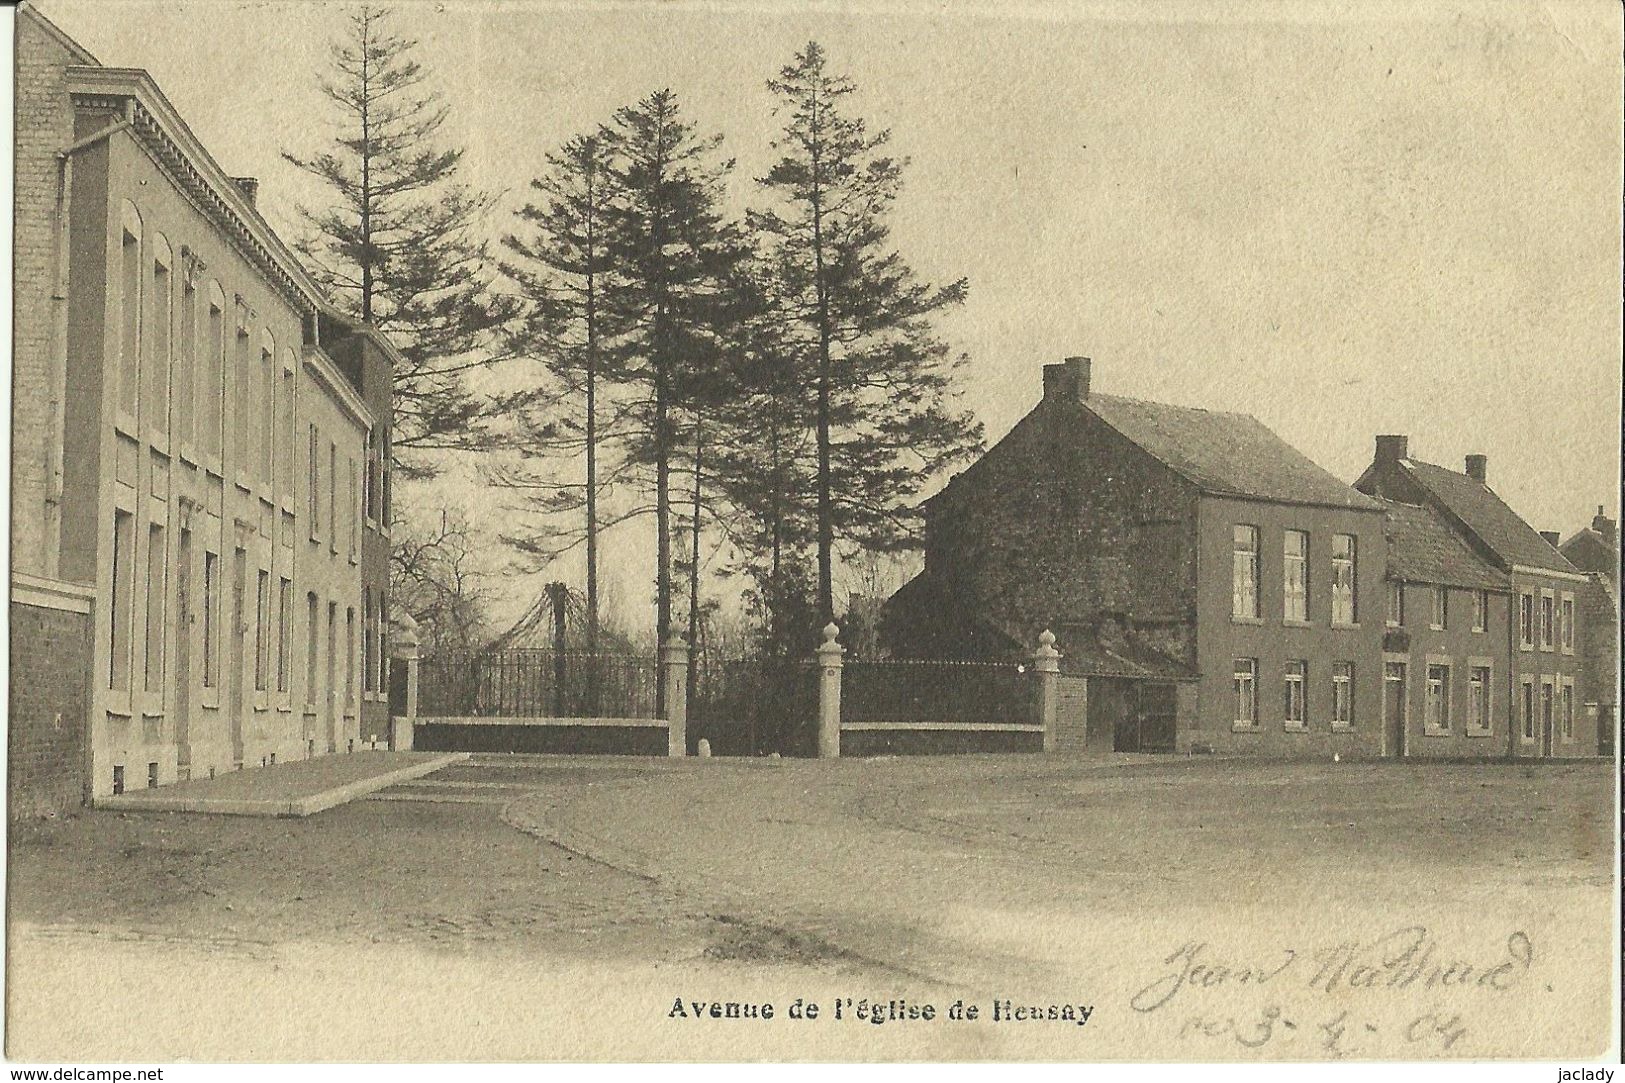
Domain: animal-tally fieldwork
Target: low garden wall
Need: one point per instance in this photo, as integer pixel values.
(570, 736)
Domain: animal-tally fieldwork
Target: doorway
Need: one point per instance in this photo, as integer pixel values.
(1394, 703)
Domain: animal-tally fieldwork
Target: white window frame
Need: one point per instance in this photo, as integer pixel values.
(1527, 620)
(1245, 670)
(1349, 595)
(1241, 574)
(1565, 709)
(1546, 617)
(1436, 723)
(1395, 617)
(1345, 680)
(1481, 610)
(156, 421)
(1295, 671)
(1300, 559)
(1439, 617)
(1565, 622)
(127, 383)
(1473, 726)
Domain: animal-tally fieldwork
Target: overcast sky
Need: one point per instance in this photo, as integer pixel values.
(1403, 224)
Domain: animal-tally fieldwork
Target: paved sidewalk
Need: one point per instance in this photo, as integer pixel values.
(286, 789)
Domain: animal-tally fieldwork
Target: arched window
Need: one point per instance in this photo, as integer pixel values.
(212, 387)
(155, 388)
(265, 419)
(129, 316)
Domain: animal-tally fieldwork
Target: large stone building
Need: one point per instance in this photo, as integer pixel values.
(1220, 589)
(199, 459)
(1545, 639)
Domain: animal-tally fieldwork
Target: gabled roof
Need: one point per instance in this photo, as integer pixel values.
(1588, 550)
(1422, 548)
(1225, 454)
(1497, 526)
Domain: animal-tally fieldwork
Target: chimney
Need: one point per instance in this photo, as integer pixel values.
(248, 186)
(1069, 380)
(1553, 538)
(1392, 448)
(1477, 467)
(1605, 526)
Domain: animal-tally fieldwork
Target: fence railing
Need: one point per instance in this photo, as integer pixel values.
(936, 691)
(534, 682)
(753, 706)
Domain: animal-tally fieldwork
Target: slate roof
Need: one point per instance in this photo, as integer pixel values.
(1487, 515)
(1422, 548)
(1225, 454)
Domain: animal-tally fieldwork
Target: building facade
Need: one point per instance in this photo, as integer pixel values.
(1229, 585)
(1446, 660)
(188, 456)
(1544, 636)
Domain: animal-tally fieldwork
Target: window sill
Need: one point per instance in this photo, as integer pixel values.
(1295, 727)
(1342, 727)
(1293, 622)
(209, 704)
(1480, 733)
(1436, 628)
(1246, 620)
(1244, 727)
(1434, 731)
(1341, 626)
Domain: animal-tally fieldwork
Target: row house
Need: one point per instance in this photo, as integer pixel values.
(1594, 550)
(198, 438)
(1446, 658)
(1224, 590)
(1543, 632)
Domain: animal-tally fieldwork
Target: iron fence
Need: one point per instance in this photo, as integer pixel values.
(755, 706)
(526, 682)
(937, 691)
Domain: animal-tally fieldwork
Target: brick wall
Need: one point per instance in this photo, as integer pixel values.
(44, 126)
(48, 706)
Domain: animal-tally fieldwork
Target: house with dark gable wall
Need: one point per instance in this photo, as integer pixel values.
(1544, 635)
(1595, 551)
(1208, 584)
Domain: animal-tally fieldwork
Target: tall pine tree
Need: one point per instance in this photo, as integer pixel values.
(671, 247)
(883, 409)
(399, 243)
(562, 265)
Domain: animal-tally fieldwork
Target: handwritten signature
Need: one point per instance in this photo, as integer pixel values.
(1406, 958)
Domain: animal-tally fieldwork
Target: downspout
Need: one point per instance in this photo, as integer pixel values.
(59, 341)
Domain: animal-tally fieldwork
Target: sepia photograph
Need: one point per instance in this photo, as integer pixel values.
(717, 531)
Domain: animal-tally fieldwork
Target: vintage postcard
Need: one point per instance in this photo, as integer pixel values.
(863, 531)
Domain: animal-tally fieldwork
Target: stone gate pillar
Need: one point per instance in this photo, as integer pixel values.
(1047, 671)
(674, 657)
(404, 647)
(829, 693)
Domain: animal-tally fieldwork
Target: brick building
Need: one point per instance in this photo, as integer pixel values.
(1446, 654)
(1212, 586)
(192, 590)
(1595, 551)
(1544, 636)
